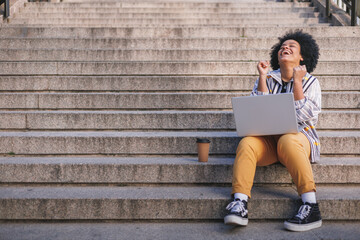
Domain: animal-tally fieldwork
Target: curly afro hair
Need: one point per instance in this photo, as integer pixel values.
(308, 48)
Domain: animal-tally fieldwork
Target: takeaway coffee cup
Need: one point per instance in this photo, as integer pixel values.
(203, 149)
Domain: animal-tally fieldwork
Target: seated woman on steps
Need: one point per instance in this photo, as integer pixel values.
(292, 58)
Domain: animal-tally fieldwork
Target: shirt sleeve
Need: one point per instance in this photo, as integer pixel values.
(255, 92)
(308, 109)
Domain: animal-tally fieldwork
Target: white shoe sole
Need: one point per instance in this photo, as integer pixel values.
(235, 220)
(302, 227)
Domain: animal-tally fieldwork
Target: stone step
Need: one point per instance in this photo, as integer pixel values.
(98, 195)
(138, 101)
(193, 32)
(165, 21)
(183, 15)
(183, 32)
(155, 83)
(196, 203)
(160, 68)
(161, 170)
(190, 5)
(160, 55)
(195, 230)
(175, 1)
(80, 25)
(148, 143)
(277, 9)
(150, 120)
(174, 44)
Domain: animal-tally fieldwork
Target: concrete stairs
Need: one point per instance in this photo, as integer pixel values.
(101, 103)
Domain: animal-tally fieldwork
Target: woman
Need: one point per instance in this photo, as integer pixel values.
(292, 57)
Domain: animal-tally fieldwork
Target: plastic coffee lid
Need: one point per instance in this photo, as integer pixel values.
(202, 140)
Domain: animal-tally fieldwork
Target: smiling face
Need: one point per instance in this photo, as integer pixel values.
(289, 53)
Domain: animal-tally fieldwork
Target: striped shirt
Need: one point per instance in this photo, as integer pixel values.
(307, 109)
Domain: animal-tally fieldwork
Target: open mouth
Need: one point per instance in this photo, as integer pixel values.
(286, 52)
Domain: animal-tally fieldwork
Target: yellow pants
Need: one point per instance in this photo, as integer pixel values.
(291, 150)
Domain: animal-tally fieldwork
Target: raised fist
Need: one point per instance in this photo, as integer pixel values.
(299, 73)
(263, 67)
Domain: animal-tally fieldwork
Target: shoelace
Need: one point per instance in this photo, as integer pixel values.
(237, 207)
(303, 211)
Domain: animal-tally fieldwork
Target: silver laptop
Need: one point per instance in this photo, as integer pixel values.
(271, 114)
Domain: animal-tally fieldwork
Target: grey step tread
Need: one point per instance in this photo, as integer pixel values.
(155, 202)
(256, 230)
(170, 10)
(148, 143)
(301, 11)
(161, 170)
(178, 25)
(150, 120)
(164, 1)
(194, 32)
(160, 68)
(104, 25)
(213, 100)
(165, 21)
(166, 15)
(115, 43)
(160, 55)
(149, 4)
(156, 83)
(174, 1)
(239, 9)
(164, 4)
(174, 19)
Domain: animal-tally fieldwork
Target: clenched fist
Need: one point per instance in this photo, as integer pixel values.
(299, 73)
(263, 67)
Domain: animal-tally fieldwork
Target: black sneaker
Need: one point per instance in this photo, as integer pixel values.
(307, 218)
(238, 213)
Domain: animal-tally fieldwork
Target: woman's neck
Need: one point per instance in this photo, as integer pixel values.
(287, 73)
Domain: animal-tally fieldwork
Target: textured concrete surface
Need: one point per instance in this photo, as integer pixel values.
(164, 15)
(257, 230)
(105, 25)
(135, 170)
(169, 32)
(150, 120)
(164, 5)
(239, 9)
(183, 143)
(336, 203)
(160, 55)
(160, 68)
(166, 43)
(159, 4)
(166, 21)
(136, 202)
(214, 100)
(155, 83)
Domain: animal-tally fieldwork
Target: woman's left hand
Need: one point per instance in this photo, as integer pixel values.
(299, 73)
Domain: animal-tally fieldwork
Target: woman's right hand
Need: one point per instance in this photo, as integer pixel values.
(263, 67)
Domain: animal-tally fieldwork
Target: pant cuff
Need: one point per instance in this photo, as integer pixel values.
(240, 190)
